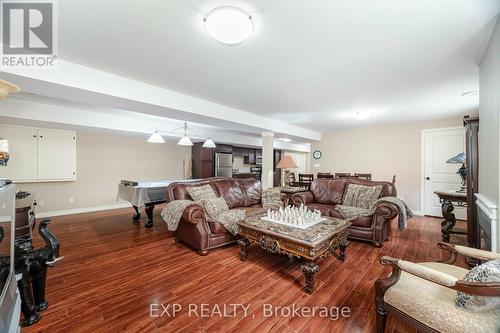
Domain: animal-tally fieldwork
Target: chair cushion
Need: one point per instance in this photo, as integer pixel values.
(231, 191)
(361, 196)
(487, 272)
(434, 305)
(200, 193)
(328, 191)
(252, 191)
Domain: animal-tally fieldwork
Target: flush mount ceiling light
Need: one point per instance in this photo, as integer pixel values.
(469, 93)
(362, 115)
(229, 25)
(184, 141)
(6, 87)
(285, 139)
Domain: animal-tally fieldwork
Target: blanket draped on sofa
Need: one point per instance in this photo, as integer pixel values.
(351, 213)
(172, 214)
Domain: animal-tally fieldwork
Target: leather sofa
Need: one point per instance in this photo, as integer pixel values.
(194, 230)
(325, 194)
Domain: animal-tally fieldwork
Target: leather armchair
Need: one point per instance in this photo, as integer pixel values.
(423, 294)
(325, 194)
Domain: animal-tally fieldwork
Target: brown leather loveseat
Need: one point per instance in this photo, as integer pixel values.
(195, 230)
(325, 194)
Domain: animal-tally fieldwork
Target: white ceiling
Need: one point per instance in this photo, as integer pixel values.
(312, 64)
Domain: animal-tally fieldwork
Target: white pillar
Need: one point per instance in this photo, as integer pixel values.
(267, 159)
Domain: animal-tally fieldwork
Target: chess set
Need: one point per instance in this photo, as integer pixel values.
(297, 217)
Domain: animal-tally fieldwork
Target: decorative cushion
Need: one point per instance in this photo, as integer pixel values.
(231, 191)
(361, 196)
(214, 207)
(271, 199)
(327, 191)
(434, 305)
(487, 272)
(200, 193)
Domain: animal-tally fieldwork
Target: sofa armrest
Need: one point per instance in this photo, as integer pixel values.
(386, 210)
(429, 274)
(193, 214)
(302, 198)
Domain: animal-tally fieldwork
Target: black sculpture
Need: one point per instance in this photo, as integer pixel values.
(33, 264)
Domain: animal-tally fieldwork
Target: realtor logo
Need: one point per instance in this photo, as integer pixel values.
(28, 33)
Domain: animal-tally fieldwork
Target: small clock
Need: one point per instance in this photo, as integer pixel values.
(317, 154)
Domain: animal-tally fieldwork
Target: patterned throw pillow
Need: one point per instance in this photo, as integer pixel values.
(271, 199)
(200, 193)
(361, 196)
(214, 208)
(487, 272)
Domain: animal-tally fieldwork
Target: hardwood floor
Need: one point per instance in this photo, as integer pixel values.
(113, 270)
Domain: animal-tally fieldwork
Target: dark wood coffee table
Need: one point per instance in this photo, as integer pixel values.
(318, 241)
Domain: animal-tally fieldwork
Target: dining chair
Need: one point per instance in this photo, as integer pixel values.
(367, 176)
(305, 179)
(324, 175)
(342, 175)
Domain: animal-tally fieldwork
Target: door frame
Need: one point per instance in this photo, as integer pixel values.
(422, 160)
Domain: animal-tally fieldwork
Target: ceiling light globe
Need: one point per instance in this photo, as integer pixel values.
(209, 143)
(229, 25)
(185, 141)
(156, 138)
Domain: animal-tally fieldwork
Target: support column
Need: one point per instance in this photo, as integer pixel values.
(267, 159)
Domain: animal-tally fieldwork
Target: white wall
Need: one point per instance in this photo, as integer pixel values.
(489, 123)
(102, 161)
(383, 151)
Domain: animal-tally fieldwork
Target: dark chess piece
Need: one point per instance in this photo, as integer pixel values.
(33, 265)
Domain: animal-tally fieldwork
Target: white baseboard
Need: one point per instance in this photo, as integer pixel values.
(82, 210)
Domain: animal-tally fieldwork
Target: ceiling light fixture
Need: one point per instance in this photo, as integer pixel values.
(156, 138)
(6, 87)
(184, 141)
(362, 115)
(229, 25)
(284, 139)
(469, 93)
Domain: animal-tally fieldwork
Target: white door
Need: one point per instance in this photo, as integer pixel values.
(22, 165)
(439, 146)
(56, 155)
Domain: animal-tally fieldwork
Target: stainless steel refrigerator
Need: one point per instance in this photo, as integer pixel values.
(223, 165)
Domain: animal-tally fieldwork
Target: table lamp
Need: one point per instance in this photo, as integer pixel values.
(285, 164)
(460, 159)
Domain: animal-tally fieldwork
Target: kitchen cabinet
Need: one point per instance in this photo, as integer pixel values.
(203, 161)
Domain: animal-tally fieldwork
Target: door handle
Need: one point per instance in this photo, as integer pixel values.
(427, 178)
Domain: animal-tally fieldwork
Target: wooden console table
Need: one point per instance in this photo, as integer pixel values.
(449, 200)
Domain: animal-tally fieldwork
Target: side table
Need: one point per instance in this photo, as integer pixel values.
(288, 191)
(449, 200)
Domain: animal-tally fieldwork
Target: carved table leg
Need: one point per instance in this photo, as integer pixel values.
(309, 269)
(342, 248)
(450, 220)
(137, 215)
(149, 212)
(244, 245)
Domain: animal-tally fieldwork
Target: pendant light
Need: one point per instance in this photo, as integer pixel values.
(184, 141)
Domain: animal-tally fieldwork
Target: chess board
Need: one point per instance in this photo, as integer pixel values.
(304, 225)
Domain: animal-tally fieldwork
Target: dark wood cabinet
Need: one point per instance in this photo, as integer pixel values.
(203, 161)
(472, 164)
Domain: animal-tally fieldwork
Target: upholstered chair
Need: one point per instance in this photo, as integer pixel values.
(423, 294)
